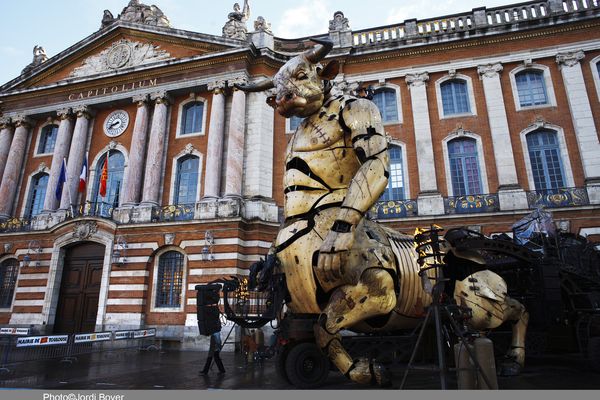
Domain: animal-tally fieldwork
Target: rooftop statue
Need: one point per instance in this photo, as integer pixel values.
(353, 272)
(39, 56)
(138, 13)
(235, 28)
(339, 22)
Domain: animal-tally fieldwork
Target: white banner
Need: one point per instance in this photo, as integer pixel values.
(93, 337)
(120, 335)
(14, 331)
(42, 340)
(142, 333)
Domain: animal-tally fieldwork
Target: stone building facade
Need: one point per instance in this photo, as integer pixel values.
(489, 114)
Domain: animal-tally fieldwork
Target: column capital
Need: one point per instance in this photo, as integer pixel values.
(5, 122)
(416, 80)
(160, 97)
(489, 70)
(140, 99)
(569, 59)
(217, 87)
(64, 113)
(242, 80)
(22, 120)
(83, 111)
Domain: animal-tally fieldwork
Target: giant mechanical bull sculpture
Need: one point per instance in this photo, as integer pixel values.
(354, 272)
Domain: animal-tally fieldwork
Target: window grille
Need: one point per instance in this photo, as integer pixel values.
(169, 280)
(9, 270)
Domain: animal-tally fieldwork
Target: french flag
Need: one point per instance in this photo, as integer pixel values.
(83, 175)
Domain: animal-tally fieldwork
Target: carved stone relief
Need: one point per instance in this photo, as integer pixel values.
(84, 229)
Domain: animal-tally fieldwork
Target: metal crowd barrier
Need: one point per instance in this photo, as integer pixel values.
(17, 346)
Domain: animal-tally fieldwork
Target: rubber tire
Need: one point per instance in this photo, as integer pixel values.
(306, 367)
(593, 352)
(280, 362)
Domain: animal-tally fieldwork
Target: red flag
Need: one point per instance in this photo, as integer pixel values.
(104, 177)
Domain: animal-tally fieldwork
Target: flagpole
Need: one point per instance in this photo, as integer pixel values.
(69, 190)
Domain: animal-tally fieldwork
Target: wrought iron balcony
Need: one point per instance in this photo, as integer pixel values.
(562, 197)
(472, 203)
(92, 209)
(173, 212)
(394, 209)
(15, 225)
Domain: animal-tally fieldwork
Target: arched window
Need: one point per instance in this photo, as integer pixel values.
(186, 181)
(191, 120)
(295, 123)
(455, 97)
(103, 205)
(47, 139)
(531, 87)
(464, 167)
(385, 99)
(395, 188)
(37, 193)
(546, 163)
(9, 270)
(169, 279)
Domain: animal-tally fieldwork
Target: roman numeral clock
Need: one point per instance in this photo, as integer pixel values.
(116, 123)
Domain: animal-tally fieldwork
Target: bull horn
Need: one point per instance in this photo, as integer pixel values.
(318, 52)
(256, 87)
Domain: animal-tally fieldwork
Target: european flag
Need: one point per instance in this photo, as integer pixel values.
(61, 180)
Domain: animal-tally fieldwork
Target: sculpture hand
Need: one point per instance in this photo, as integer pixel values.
(333, 254)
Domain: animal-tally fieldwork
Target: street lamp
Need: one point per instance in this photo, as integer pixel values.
(34, 249)
(209, 240)
(119, 250)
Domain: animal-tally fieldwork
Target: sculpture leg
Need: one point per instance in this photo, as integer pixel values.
(373, 295)
(515, 312)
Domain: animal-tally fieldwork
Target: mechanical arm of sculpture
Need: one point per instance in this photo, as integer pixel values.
(353, 272)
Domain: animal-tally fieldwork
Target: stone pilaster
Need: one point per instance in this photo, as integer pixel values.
(214, 150)
(583, 120)
(510, 195)
(14, 164)
(235, 144)
(61, 151)
(258, 166)
(430, 201)
(135, 167)
(156, 149)
(7, 131)
(76, 155)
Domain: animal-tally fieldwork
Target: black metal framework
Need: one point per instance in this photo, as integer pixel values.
(9, 269)
(169, 279)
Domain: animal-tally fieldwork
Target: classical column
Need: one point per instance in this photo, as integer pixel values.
(14, 164)
(258, 169)
(511, 196)
(137, 152)
(235, 144)
(61, 151)
(429, 202)
(583, 120)
(214, 150)
(76, 155)
(156, 148)
(7, 130)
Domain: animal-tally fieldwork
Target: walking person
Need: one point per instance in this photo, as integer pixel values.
(214, 351)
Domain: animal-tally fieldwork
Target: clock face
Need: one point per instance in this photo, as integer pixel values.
(116, 123)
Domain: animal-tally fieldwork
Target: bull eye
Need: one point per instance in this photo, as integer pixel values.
(301, 76)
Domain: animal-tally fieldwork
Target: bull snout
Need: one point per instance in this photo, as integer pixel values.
(288, 102)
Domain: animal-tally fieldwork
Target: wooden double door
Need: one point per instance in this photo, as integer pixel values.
(80, 289)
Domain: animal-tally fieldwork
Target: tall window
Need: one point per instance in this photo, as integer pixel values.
(464, 167)
(191, 120)
(385, 99)
(37, 193)
(546, 164)
(169, 279)
(186, 181)
(531, 87)
(455, 97)
(395, 188)
(103, 206)
(47, 139)
(295, 123)
(8, 280)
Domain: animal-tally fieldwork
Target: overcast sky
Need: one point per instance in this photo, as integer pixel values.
(58, 24)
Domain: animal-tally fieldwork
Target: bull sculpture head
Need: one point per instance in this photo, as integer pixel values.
(299, 83)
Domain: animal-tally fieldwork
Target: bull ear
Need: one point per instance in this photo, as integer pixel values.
(330, 71)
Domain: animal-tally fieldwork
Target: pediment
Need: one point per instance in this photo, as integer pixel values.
(120, 50)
